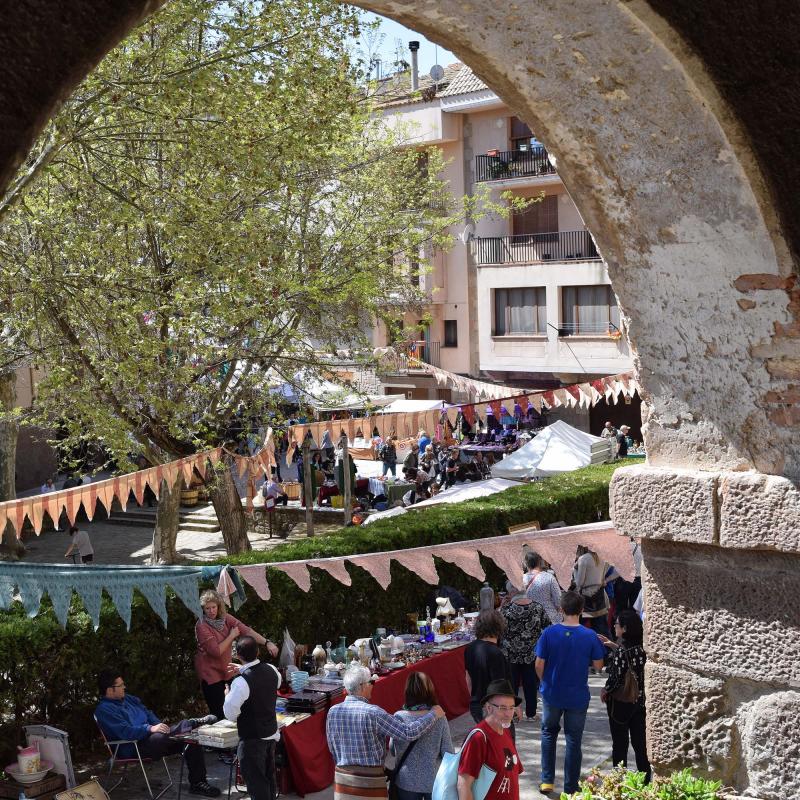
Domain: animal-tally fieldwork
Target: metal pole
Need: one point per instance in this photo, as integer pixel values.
(348, 510)
(307, 491)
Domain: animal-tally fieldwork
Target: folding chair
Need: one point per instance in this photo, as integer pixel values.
(113, 748)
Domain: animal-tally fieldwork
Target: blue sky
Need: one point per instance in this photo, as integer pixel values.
(429, 53)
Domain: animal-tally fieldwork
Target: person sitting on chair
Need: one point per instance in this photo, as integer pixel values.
(125, 717)
(272, 489)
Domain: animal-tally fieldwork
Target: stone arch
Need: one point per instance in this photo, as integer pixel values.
(667, 183)
(685, 167)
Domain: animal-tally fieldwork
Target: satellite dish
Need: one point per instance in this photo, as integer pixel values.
(466, 235)
(436, 73)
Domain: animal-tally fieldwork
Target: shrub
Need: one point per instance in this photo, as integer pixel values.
(620, 784)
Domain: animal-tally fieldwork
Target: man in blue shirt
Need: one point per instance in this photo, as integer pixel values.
(125, 717)
(564, 654)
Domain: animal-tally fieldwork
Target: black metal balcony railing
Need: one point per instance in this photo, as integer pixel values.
(502, 165)
(590, 329)
(535, 247)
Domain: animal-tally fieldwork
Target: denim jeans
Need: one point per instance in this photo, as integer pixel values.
(389, 469)
(574, 720)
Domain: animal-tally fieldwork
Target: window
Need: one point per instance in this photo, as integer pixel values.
(451, 333)
(413, 273)
(522, 139)
(589, 309)
(519, 311)
(538, 218)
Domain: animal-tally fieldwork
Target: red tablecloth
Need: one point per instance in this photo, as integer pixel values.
(310, 761)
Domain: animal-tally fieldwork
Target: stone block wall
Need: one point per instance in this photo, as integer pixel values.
(722, 626)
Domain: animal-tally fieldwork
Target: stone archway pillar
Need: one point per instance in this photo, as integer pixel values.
(722, 621)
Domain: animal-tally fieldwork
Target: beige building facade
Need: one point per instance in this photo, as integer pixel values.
(522, 299)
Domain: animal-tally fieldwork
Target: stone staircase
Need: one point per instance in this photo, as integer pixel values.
(199, 519)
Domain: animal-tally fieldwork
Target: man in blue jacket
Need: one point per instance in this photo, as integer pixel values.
(122, 716)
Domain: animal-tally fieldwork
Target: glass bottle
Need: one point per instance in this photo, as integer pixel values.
(487, 598)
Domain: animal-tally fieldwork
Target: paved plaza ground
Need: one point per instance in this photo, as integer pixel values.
(596, 749)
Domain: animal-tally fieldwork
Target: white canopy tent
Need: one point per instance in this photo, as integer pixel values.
(558, 448)
(456, 494)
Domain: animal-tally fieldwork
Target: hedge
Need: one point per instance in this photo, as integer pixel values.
(48, 673)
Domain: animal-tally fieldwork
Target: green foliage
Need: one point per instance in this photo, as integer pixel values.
(217, 208)
(620, 784)
(574, 497)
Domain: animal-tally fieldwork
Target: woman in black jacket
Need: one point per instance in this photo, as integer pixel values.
(627, 720)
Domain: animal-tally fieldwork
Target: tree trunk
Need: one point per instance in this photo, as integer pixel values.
(307, 486)
(165, 534)
(230, 513)
(11, 547)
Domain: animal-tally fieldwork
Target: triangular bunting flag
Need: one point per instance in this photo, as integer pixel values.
(255, 575)
(297, 571)
(334, 567)
(466, 558)
(420, 563)
(507, 556)
(122, 596)
(91, 593)
(378, 565)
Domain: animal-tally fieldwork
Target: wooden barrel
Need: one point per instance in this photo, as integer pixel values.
(291, 489)
(188, 497)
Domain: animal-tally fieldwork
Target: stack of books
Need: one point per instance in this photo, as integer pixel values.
(221, 734)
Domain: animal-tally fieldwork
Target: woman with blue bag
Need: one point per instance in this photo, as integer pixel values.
(488, 767)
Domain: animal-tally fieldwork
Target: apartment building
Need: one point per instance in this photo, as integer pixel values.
(522, 299)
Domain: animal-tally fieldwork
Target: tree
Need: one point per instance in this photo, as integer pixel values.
(213, 207)
(11, 545)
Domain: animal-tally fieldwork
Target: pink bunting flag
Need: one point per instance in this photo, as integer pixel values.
(187, 467)
(334, 567)
(256, 576)
(508, 556)
(465, 557)
(297, 571)
(36, 514)
(420, 563)
(225, 586)
(89, 499)
(377, 564)
(51, 506)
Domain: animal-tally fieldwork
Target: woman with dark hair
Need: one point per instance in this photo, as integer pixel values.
(627, 718)
(484, 659)
(417, 762)
(542, 587)
(525, 621)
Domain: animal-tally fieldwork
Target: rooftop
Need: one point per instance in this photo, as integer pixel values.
(396, 89)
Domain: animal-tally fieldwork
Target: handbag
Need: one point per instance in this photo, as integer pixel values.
(629, 692)
(391, 774)
(594, 596)
(445, 787)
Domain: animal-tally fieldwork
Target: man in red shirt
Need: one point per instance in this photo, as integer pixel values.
(491, 744)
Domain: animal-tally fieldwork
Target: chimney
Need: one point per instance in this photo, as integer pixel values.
(414, 47)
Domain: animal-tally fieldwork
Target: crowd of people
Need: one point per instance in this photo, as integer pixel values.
(539, 639)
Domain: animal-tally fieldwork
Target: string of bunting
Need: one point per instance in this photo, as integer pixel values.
(557, 546)
(407, 424)
(70, 501)
(58, 581)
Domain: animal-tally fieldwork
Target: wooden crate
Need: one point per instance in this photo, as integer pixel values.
(41, 790)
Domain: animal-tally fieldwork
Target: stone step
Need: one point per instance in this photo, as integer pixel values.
(201, 519)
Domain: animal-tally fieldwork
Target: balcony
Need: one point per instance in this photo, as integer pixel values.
(499, 165)
(408, 355)
(535, 248)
